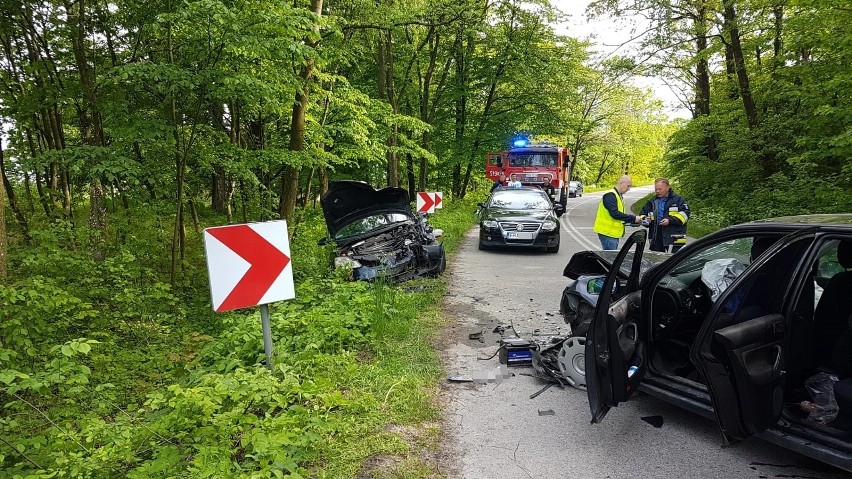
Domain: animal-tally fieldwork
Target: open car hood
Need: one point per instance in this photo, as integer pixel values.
(598, 263)
(346, 201)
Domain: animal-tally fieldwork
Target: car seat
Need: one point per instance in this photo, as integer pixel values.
(832, 315)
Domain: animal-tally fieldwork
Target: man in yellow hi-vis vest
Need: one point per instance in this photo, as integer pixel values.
(609, 223)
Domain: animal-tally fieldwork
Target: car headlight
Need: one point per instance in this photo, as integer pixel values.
(549, 225)
(346, 262)
(490, 224)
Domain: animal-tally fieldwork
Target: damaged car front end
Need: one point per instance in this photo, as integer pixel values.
(378, 236)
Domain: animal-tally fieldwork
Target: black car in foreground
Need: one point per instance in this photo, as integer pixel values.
(378, 236)
(750, 326)
(519, 217)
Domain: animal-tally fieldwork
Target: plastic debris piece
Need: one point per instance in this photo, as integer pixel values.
(656, 421)
(546, 412)
(459, 379)
(537, 393)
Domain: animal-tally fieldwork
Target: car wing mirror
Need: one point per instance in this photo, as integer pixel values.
(323, 241)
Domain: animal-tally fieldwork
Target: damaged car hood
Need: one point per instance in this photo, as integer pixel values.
(347, 201)
(594, 263)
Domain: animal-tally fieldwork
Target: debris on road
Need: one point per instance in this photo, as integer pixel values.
(496, 375)
(537, 393)
(546, 412)
(656, 421)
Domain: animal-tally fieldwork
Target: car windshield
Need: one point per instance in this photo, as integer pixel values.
(574, 183)
(532, 159)
(370, 223)
(520, 200)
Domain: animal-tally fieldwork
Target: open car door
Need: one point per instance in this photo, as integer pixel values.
(741, 347)
(616, 342)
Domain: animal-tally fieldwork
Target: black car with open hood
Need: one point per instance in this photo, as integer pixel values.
(377, 235)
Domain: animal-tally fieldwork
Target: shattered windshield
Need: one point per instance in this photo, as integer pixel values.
(520, 200)
(532, 159)
(370, 223)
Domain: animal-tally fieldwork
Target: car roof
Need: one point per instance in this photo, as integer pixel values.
(834, 219)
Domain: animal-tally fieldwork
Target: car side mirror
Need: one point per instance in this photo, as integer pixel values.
(481, 204)
(559, 209)
(323, 241)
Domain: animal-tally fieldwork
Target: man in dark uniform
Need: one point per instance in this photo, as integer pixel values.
(666, 214)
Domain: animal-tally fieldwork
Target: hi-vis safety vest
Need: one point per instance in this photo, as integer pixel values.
(606, 224)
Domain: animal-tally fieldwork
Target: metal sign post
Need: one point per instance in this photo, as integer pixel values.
(267, 334)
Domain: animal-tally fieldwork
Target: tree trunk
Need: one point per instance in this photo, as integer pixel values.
(778, 15)
(194, 212)
(28, 189)
(730, 22)
(393, 159)
(13, 203)
(221, 191)
(3, 243)
(91, 128)
(702, 79)
(290, 183)
(460, 109)
(410, 173)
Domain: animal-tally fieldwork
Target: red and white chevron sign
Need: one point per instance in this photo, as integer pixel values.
(248, 265)
(428, 202)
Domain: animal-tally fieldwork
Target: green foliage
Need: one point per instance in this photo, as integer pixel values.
(105, 371)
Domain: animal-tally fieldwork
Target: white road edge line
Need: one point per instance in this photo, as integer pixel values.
(572, 231)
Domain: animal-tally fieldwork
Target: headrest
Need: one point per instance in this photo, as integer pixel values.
(844, 254)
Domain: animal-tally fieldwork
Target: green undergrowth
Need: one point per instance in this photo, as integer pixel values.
(107, 370)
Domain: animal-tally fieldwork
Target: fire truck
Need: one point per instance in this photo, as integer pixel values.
(542, 164)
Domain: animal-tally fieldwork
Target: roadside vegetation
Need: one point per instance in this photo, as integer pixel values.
(107, 371)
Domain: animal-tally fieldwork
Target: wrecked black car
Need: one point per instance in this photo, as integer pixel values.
(378, 236)
(750, 326)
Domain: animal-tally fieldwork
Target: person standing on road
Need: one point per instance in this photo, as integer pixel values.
(667, 214)
(609, 222)
(499, 182)
(514, 182)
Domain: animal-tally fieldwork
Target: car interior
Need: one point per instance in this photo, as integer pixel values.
(818, 352)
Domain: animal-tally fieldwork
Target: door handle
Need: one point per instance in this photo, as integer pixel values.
(630, 331)
(777, 364)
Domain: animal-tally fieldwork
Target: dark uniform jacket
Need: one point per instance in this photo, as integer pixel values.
(676, 210)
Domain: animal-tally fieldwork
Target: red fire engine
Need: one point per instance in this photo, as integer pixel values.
(542, 164)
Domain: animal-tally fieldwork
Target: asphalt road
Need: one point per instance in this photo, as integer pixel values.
(495, 430)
